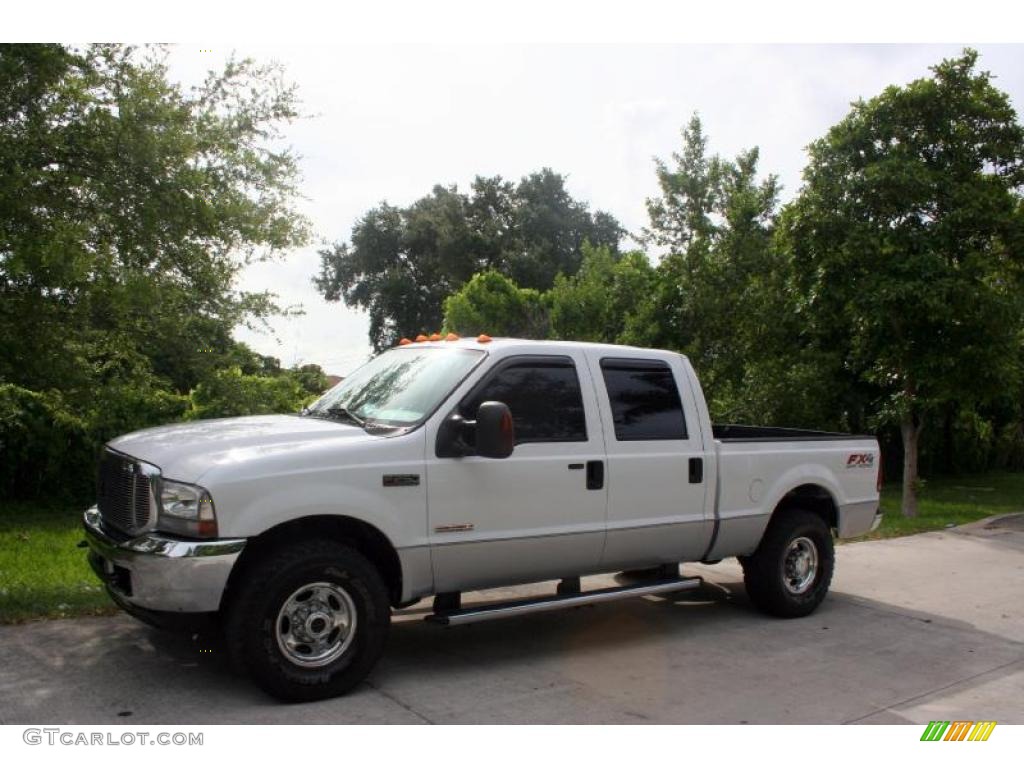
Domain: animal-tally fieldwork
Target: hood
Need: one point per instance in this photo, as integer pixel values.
(186, 451)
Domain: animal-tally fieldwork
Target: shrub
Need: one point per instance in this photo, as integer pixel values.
(46, 449)
(229, 392)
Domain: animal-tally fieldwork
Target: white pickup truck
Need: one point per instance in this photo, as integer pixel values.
(446, 466)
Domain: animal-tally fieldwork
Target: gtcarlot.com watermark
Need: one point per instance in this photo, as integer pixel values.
(75, 738)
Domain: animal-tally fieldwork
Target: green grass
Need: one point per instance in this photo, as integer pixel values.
(948, 501)
(43, 574)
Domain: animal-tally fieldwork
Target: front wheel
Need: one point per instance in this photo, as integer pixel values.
(790, 572)
(310, 621)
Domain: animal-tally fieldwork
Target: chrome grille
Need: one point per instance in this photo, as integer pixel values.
(124, 495)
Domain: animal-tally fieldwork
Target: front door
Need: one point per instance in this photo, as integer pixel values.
(538, 514)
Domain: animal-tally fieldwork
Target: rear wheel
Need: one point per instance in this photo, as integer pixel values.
(310, 621)
(790, 572)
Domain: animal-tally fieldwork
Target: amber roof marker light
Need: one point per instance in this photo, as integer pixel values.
(403, 342)
(421, 338)
(483, 338)
(452, 337)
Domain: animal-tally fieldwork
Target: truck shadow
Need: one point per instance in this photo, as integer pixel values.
(412, 638)
(594, 663)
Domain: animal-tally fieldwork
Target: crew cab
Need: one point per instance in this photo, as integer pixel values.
(441, 467)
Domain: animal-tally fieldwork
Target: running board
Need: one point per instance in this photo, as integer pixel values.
(557, 602)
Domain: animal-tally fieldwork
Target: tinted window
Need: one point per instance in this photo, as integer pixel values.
(544, 398)
(644, 399)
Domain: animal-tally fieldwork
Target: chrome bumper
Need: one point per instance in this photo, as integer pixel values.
(159, 573)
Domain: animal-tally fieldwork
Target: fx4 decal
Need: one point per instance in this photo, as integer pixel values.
(860, 461)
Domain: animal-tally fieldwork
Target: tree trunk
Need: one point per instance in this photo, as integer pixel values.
(911, 430)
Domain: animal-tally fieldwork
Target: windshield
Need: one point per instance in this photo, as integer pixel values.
(399, 388)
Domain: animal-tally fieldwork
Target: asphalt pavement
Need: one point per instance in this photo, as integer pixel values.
(926, 627)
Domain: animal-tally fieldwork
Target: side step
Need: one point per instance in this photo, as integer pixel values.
(557, 602)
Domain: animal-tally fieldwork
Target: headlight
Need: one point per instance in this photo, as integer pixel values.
(186, 509)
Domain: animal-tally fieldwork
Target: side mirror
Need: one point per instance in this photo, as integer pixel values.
(495, 433)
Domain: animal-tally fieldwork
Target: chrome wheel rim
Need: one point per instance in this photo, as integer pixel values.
(316, 624)
(800, 565)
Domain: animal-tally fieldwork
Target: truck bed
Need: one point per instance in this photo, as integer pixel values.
(758, 466)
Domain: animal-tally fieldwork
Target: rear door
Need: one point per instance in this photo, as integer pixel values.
(657, 473)
(538, 514)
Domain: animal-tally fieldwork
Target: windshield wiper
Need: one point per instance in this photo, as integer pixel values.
(343, 413)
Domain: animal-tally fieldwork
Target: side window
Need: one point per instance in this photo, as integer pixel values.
(544, 397)
(644, 399)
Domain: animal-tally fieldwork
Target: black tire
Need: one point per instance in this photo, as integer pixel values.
(252, 630)
(765, 571)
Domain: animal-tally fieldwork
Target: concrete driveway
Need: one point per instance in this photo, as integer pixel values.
(928, 627)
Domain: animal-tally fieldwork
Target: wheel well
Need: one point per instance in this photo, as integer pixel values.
(812, 498)
(363, 537)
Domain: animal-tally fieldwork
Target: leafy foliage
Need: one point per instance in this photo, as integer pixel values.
(906, 247)
(401, 263)
(131, 206)
(596, 303)
(718, 294)
(128, 207)
(591, 305)
(885, 297)
(39, 437)
(493, 304)
(229, 392)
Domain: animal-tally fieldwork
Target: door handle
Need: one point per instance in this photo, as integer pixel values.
(696, 470)
(595, 475)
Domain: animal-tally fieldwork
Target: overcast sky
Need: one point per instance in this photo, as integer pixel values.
(390, 122)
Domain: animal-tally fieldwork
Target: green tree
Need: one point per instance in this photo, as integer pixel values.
(596, 303)
(128, 207)
(682, 216)
(717, 287)
(401, 263)
(493, 304)
(229, 392)
(310, 377)
(551, 228)
(906, 244)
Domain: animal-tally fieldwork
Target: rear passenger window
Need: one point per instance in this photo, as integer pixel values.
(544, 397)
(644, 400)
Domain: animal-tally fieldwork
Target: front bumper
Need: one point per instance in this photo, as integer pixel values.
(160, 573)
